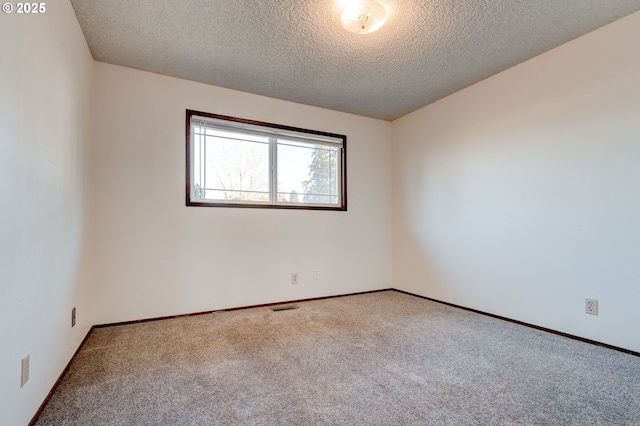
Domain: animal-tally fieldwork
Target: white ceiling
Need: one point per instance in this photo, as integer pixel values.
(297, 50)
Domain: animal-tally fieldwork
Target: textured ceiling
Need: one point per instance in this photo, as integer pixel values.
(297, 50)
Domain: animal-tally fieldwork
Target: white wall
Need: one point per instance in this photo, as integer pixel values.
(157, 257)
(45, 79)
(520, 195)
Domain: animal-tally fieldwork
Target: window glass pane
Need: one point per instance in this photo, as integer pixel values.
(230, 166)
(308, 174)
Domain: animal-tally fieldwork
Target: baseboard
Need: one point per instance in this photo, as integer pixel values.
(537, 327)
(236, 308)
(36, 416)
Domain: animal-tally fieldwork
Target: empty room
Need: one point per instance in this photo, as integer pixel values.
(320, 212)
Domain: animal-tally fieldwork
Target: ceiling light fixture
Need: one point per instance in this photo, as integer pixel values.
(363, 16)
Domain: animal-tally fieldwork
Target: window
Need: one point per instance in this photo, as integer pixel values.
(233, 162)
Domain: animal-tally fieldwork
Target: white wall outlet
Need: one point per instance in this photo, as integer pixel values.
(591, 306)
(316, 275)
(24, 375)
(73, 317)
(294, 278)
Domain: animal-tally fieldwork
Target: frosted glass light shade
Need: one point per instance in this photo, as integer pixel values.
(363, 16)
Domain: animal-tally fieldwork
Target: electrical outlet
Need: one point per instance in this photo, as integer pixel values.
(73, 317)
(294, 278)
(24, 375)
(591, 306)
(316, 275)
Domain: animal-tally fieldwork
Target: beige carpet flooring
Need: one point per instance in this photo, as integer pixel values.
(383, 358)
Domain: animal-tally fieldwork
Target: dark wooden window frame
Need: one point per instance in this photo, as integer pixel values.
(192, 203)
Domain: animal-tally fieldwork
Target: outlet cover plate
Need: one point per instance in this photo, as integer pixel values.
(24, 374)
(591, 306)
(294, 278)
